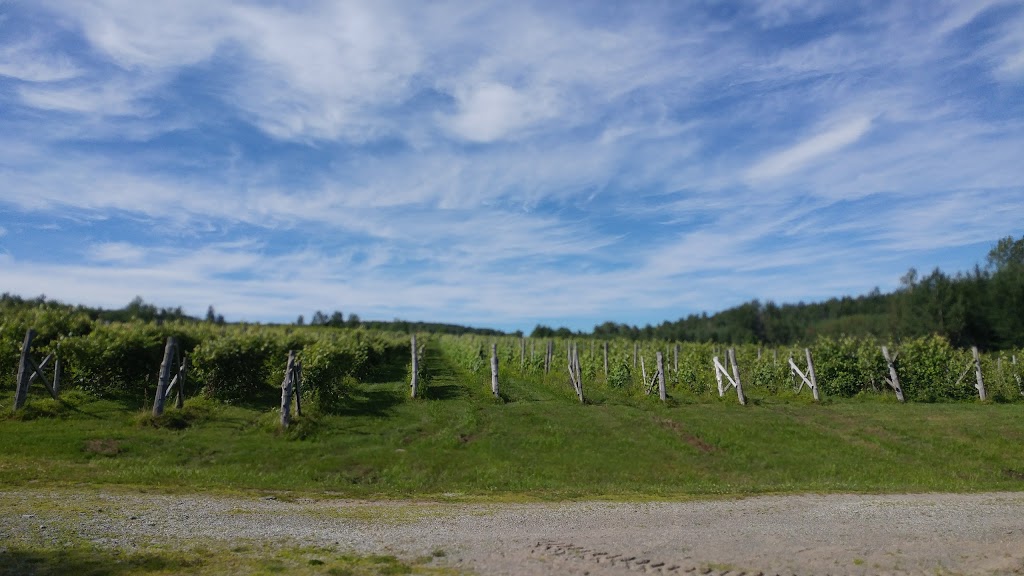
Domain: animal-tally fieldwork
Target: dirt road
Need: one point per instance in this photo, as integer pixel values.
(807, 534)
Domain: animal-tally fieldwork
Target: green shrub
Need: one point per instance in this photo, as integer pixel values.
(51, 322)
(329, 368)
(770, 375)
(240, 365)
(847, 366)
(929, 369)
(115, 359)
(620, 372)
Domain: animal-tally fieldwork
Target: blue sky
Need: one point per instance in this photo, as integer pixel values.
(502, 164)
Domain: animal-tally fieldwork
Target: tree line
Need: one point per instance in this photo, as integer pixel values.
(983, 307)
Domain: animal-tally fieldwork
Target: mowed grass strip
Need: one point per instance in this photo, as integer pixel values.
(536, 443)
(83, 559)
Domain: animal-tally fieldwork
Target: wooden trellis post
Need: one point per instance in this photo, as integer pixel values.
(809, 379)
(736, 375)
(893, 379)
(494, 370)
(605, 346)
(661, 377)
(719, 370)
(657, 378)
(414, 384)
(179, 381)
(1016, 374)
(29, 371)
(522, 354)
(165, 384)
(734, 380)
(575, 376)
(675, 359)
(291, 387)
(977, 372)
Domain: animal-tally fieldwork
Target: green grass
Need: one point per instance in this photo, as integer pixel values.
(83, 559)
(535, 443)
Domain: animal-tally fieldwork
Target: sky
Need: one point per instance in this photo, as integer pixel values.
(502, 164)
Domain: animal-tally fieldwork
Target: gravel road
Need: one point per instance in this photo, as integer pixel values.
(806, 534)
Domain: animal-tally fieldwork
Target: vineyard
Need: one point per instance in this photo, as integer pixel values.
(498, 414)
(246, 363)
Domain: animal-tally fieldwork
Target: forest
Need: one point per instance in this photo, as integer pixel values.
(983, 307)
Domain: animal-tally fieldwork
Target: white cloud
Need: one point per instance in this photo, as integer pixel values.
(499, 162)
(31, 62)
(150, 35)
(774, 13)
(114, 97)
(116, 253)
(1008, 51)
(963, 12)
(823, 143)
(493, 111)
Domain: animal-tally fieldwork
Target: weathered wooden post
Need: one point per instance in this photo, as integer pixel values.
(165, 376)
(415, 369)
(286, 391)
(661, 378)
(605, 347)
(579, 373)
(810, 374)
(58, 371)
(575, 375)
(1016, 374)
(675, 359)
(893, 379)
(179, 400)
(811, 382)
(718, 376)
(297, 386)
(494, 370)
(24, 372)
(736, 375)
(522, 354)
(977, 372)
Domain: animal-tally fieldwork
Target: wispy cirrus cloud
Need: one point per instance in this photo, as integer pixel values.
(821, 144)
(29, 61)
(500, 164)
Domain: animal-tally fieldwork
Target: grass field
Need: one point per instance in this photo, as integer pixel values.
(85, 560)
(459, 442)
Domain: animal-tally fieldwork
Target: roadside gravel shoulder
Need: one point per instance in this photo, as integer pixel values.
(802, 534)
